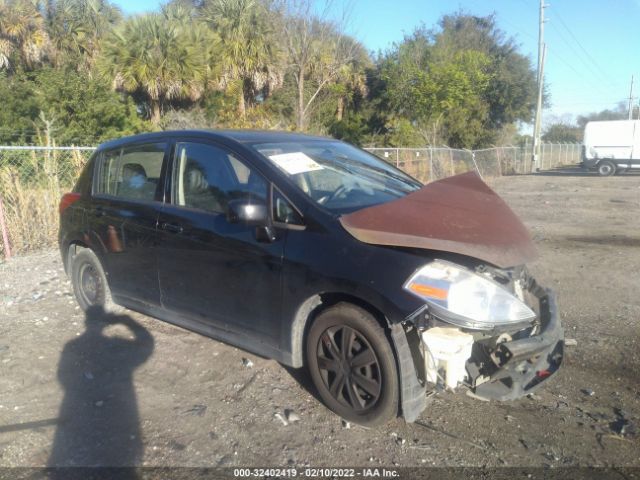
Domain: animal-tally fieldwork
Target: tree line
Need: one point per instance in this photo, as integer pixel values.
(80, 72)
(567, 130)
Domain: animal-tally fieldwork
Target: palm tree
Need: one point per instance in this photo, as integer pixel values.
(76, 28)
(23, 37)
(351, 78)
(160, 57)
(249, 53)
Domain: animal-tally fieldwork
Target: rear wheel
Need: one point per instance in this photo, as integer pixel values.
(606, 168)
(353, 366)
(89, 281)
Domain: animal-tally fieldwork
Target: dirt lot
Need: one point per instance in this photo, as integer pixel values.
(153, 394)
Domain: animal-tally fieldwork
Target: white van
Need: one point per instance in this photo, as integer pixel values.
(612, 146)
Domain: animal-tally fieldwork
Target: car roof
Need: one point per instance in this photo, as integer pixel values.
(240, 136)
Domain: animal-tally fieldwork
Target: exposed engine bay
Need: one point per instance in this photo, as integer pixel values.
(502, 363)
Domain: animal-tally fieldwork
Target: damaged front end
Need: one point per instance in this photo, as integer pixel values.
(508, 353)
(487, 326)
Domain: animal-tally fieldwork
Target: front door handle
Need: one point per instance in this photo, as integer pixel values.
(171, 227)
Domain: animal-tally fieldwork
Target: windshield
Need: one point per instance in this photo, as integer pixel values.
(338, 176)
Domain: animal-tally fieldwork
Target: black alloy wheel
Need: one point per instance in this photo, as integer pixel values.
(353, 365)
(349, 367)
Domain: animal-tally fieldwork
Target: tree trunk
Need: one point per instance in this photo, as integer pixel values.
(301, 113)
(340, 109)
(155, 111)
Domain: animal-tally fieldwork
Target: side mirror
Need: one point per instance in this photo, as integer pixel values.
(249, 212)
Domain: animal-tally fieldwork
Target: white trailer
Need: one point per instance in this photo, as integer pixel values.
(612, 146)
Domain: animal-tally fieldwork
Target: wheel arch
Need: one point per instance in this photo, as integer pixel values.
(312, 307)
(71, 251)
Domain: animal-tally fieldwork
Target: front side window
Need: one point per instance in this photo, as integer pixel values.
(131, 173)
(207, 177)
(336, 175)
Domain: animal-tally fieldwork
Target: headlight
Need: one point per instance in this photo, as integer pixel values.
(466, 299)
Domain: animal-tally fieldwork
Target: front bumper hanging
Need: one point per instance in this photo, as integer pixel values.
(526, 363)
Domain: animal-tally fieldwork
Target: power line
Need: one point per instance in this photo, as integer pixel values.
(577, 54)
(525, 3)
(586, 52)
(581, 75)
(569, 65)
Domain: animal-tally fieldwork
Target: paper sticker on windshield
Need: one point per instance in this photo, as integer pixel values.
(295, 162)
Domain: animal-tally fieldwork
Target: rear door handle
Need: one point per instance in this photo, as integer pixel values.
(171, 227)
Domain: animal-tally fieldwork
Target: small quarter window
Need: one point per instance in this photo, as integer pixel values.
(283, 211)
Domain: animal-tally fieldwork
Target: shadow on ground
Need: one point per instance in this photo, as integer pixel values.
(303, 378)
(99, 423)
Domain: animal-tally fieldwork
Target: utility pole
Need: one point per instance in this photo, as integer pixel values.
(540, 35)
(535, 161)
(631, 100)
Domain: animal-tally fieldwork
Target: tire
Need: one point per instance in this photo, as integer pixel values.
(606, 168)
(362, 386)
(89, 282)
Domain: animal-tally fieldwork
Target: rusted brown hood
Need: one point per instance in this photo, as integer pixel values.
(459, 214)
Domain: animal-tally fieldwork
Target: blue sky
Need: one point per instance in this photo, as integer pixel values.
(593, 46)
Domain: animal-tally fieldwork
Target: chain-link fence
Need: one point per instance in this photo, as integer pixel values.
(427, 164)
(434, 163)
(32, 179)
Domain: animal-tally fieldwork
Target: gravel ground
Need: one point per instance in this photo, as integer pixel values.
(142, 392)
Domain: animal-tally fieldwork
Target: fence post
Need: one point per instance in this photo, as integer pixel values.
(397, 158)
(559, 157)
(430, 163)
(5, 233)
(453, 172)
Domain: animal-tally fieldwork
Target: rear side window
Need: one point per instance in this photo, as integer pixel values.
(131, 173)
(83, 184)
(207, 177)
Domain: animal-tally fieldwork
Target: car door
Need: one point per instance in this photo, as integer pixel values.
(215, 271)
(127, 196)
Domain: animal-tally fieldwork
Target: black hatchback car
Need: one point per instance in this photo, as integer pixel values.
(315, 253)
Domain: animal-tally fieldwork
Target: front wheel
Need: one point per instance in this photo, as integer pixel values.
(353, 365)
(606, 168)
